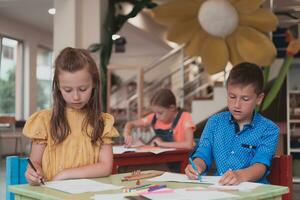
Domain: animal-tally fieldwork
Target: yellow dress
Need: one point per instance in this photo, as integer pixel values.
(76, 150)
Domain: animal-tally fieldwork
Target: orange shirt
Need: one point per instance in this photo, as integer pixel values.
(184, 123)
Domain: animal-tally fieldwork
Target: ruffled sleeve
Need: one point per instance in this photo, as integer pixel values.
(109, 130)
(37, 126)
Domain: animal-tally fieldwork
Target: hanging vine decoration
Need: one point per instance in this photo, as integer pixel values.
(113, 24)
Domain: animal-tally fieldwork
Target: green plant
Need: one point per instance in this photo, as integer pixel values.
(292, 49)
(7, 91)
(113, 23)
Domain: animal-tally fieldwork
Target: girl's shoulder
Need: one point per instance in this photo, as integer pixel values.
(186, 114)
(109, 130)
(37, 124)
(44, 114)
(107, 118)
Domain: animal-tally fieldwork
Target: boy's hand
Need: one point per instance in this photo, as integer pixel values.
(230, 178)
(34, 177)
(191, 173)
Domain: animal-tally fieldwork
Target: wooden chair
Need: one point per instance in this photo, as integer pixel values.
(281, 174)
(8, 131)
(15, 173)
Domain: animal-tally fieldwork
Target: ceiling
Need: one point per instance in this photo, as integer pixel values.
(35, 12)
(31, 12)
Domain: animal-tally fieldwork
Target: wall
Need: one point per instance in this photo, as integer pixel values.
(142, 48)
(31, 37)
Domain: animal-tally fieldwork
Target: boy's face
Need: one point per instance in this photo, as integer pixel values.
(241, 101)
(165, 115)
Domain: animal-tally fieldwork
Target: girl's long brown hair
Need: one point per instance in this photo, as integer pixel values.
(72, 60)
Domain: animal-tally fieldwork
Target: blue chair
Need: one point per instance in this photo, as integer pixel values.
(15, 169)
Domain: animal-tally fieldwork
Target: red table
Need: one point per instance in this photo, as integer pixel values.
(146, 158)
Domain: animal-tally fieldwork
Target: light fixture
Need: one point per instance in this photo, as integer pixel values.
(120, 44)
(52, 11)
(115, 37)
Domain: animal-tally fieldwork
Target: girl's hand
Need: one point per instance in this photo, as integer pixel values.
(191, 173)
(127, 140)
(156, 142)
(230, 178)
(34, 177)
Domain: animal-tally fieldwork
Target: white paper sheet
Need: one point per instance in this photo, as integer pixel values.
(122, 149)
(155, 150)
(119, 196)
(244, 186)
(175, 177)
(183, 194)
(76, 186)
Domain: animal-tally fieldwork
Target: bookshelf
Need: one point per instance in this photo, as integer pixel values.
(293, 119)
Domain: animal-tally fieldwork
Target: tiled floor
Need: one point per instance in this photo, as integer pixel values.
(2, 184)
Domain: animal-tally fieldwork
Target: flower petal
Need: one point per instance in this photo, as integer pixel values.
(233, 2)
(247, 6)
(214, 55)
(174, 11)
(234, 57)
(182, 32)
(255, 46)
(199, 1)
(263, 20)
(194, 46)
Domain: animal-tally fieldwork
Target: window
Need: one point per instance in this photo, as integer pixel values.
(9, 58)
(8, 52)
(44, 75)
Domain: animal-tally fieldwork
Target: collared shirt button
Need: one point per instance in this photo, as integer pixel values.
(236, 135)
(232, 152)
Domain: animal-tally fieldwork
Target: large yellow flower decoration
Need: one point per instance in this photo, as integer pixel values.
(220, 30)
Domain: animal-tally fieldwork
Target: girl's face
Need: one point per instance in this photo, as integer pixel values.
(76, 87)
(165, 115)
(241, 101)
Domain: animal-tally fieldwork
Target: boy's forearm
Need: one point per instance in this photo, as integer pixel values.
(252, 173)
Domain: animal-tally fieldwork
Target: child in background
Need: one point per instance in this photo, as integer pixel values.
(73, 139)
(173, 128)
(240, 141)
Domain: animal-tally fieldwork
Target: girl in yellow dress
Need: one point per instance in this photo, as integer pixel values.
(74, 138)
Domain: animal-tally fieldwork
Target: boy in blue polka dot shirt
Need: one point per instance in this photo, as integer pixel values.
(241, 141)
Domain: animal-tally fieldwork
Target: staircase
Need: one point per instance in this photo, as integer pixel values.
(192, 86)
(147, 71)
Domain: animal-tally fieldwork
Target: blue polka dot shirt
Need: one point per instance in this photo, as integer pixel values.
(234, 149)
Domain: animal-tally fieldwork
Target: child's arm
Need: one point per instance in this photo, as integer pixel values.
(191, 173)
(100, 169)
(127, 130)
(186, 144)
(252, 173)
(34, 177)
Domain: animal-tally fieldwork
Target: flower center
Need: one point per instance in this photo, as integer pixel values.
(218, 17)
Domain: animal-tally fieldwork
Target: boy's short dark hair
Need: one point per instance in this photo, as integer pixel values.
(247, 73)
